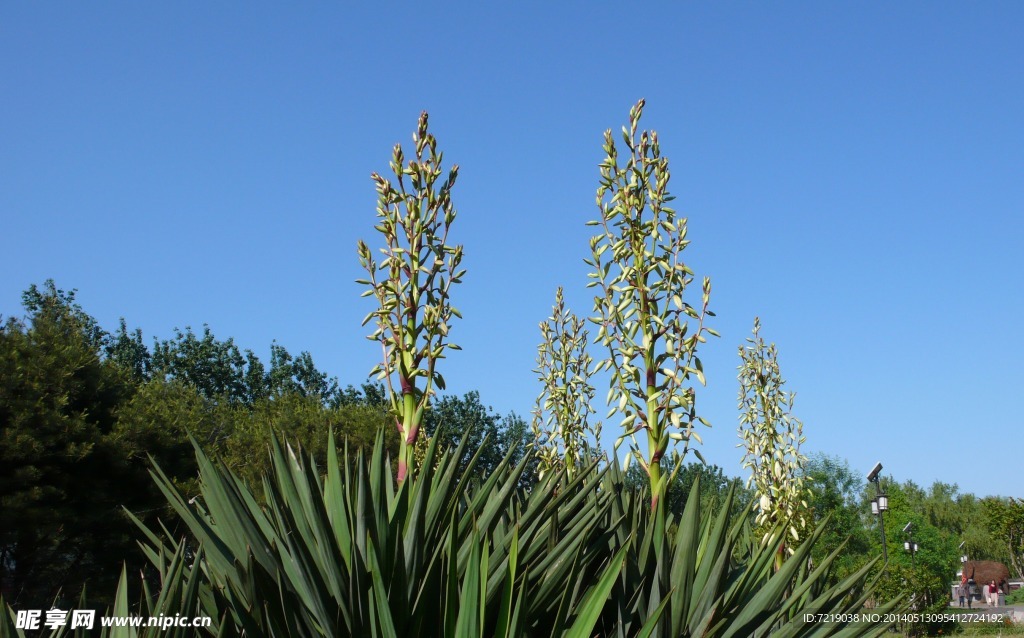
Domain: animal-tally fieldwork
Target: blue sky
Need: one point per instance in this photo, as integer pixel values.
(852, 174)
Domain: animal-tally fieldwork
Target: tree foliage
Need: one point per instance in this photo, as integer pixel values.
(1006, 523)
(922, 577)
(83, 412)
(63, 475)
(220, 371)
(834, 491)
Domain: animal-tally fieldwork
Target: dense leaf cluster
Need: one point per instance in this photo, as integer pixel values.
(353, 553)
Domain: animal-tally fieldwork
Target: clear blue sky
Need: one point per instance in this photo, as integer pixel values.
(853, 173)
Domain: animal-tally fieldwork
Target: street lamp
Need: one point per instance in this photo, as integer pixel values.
(879, 505)
(910, 545)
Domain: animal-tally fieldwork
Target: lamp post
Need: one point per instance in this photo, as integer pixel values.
(910, 545)
(879, 505)
(963, 570)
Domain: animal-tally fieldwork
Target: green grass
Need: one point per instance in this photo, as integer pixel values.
(992, 629)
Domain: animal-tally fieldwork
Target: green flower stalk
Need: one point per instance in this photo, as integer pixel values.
(772, 437)
(560, 419)
(642, 313)
(412, 283)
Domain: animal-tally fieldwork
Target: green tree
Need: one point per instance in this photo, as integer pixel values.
(126, 350)
(63, 475)
(60, 305)
(220, 371)
(922, 577)
(158, 421)
(412, 283)
(83, 411)
(975, 531)
(642, 310)
(1006, 522)
(299, 375)
(302, 420)
(213, 367)
(962, 518)
(368, 393)
(834, 491)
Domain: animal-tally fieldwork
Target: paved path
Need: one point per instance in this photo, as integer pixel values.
(1016, 612)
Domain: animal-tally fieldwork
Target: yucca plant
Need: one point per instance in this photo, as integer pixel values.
(708, 579)
(448, 554)
(643, 311)
(412, 283)
(442, 551)
(177, 597)
(772, 437)
(562, 426)
(350, 554)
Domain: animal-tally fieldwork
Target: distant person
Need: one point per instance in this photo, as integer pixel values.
(993, 593)
(972, 589)
(961, 591)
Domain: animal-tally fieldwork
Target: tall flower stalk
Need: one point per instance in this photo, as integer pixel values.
(772, 437)
(561, 426)
(642, 310)
(411, 283)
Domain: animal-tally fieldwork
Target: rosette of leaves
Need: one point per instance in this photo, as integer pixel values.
(701, 575)
(412, 283)
(177, 597)
(347, 553)
(772, 437)
(642, 309)
(344, 554)
(561, 427)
